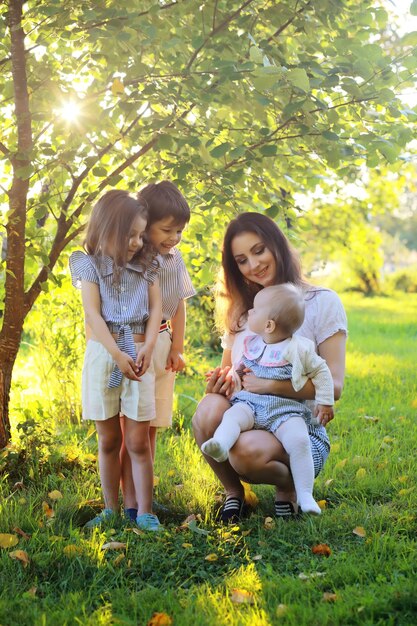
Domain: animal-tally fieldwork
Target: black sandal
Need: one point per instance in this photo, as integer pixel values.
(232, 511)
(286, 510)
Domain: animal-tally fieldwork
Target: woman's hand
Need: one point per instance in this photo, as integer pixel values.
(220, 381)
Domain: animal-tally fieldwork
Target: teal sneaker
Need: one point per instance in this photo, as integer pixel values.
(148, 521)
(101, 518)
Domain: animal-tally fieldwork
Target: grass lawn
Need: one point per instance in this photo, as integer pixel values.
(262, 572)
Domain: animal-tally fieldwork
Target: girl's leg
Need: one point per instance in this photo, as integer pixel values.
(126, 481)
(109, 442)
(136, 437)
(235, 420)
(293, 435)
(207, 418)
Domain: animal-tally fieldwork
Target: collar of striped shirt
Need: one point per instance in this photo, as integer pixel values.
(106, 266)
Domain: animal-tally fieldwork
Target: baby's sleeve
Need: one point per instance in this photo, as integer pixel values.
(82, 268)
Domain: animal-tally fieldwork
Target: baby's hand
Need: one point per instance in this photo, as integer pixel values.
(324, 413)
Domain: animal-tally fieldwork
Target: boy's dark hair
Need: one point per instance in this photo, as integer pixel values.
(163, 200)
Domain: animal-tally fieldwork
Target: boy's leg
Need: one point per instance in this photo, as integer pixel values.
(293, 435)
(126, 479)
(237, 419)
(136, 437)
(109, 442)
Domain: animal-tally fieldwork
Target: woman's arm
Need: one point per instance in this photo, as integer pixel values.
(332, 350)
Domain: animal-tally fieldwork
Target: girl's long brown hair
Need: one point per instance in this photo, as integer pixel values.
(236, 294)
(110, 225)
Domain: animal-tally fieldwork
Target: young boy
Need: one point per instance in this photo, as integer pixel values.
(168, 214)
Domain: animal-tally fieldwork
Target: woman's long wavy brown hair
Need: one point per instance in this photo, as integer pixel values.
(235, 293)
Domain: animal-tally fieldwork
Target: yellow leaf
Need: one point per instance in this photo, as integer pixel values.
(155, 481)
(241, 596)
(8, 541)
(47, 511)
(329, 597)
(55, 495)
(388, 439)
(414, 403)
(20, 555)
(250, 496)
(211, 557)
(22, 501)
(245, 533)
(71, 550)
(335, 447)
(269, 523)
(322, 504)
(405, 492)
(341, 464)
(113, 545)
(361, 473)
(187, 545)
(281, 610)
(359, 531)
(171, 473)
(403, 479)
(160, 619)
(119, 559)
(117, 87)
(328, 482)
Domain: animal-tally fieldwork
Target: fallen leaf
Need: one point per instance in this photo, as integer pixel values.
(160, 619)
(359, 531)
(361, 473)
(341, 464)
(155, 481)
(21, 532)
(32, 591)
(119, 559)
(328, 482)
(19, 485)
(241, 596)
(303, 576)
(281, 610)
(171, 473)
(405, 492)
(211, 557)
(322, 504)
(71, 550)
(250, 496)
(47, 511)
(403, 479)
(414, 403)
(388, 439)
(329, 597)
(137, 531)
(22, 501)
(55, 495)
(371, 418)
(114, 545)
(8, 541)
(257, 557)
(322, 549)
(20, 555)
(245, 533)
(187, 545)
(269, 523)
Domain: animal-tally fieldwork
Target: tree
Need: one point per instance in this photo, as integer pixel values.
(241, 103)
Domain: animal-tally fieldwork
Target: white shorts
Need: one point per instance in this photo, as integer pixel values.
(134, 399)
(164, 381)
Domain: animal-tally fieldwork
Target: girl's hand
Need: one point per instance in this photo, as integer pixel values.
(127, 365)
(253, 384)
(175, 361)
(324, 413)
(143, 359)
(219, 381)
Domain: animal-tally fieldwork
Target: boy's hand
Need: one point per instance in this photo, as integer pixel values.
(324, 413)
(127, 366)
(175, 361)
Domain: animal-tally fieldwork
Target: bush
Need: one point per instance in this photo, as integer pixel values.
(403, 280)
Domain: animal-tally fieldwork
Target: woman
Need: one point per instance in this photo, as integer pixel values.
(256, 254)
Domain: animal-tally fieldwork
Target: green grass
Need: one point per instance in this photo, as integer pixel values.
(369, 481)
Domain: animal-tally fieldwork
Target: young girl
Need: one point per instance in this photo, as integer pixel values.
(122, 307)
(275, 353)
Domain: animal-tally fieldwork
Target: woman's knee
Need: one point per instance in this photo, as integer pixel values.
(254, 450)
(208, 415)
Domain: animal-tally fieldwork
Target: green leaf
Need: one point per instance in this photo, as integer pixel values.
(220, 150)
(195, 529)
(99, 171)
(25, 172)
(413, 7)
(298, 77)
(255, 54)
(268, 150)
(409, 39)
(330, 135)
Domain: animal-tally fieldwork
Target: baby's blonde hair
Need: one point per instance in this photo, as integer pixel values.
(286, 306)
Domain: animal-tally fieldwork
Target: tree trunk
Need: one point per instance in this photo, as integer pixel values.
(7, 359)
